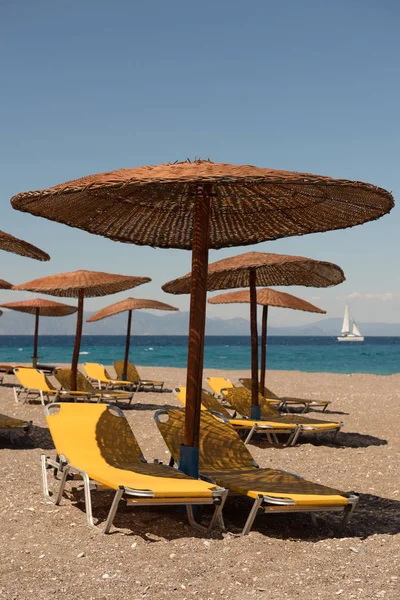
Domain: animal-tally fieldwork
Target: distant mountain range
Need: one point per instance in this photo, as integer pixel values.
(144, 323)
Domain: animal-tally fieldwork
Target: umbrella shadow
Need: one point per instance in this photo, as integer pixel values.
(342, 440)
(152, 524)
(373, 515)
(346, 439)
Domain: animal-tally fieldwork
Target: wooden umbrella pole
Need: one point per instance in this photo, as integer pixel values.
(189, 455)
(263, 347)
(127, 345)
(78, 337)
(35, 339)
(255, 409)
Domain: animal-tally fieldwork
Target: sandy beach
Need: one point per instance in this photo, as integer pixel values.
(49, 552)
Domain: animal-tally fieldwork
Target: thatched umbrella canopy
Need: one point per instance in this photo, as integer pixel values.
(129, 305)
(9, 243)
(200, 205)
(254, 269)
(78, 284)
(5, 285)
(266, 297)
(40, 308)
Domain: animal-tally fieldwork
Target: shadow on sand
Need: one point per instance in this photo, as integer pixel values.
(342, 440)
(373, 515)
(38, 438)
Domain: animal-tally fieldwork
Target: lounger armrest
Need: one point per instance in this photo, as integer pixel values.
(277, 501)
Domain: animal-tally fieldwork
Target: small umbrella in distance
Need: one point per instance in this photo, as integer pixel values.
(129, 305)
(40, 308)
(266, 297)
(78, 284)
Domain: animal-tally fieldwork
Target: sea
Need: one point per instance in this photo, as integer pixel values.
(378, 355)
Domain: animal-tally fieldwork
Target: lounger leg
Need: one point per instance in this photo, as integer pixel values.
(314, 519)
(217, 516)
(62, 486)
(88, 499)
(293, 439)
(192, 520)
(250, 434)
(347, 514)
(253, 513)
(45, 483)
(113, 509)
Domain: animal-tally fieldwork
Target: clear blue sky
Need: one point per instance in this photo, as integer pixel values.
(307, 86)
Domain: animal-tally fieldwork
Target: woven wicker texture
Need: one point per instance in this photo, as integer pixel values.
(153, 205)
(9, 243)
(225, 458)
(129, 304)
(4, 285)
(46, 308)
(267, 297)
(271, 269)
(94, 283)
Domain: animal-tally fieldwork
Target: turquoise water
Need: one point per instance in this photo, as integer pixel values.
(379, 355)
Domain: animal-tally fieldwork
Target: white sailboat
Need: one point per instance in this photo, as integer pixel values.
(349, 336)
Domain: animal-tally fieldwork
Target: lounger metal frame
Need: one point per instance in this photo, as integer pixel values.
(283, 404)
(26, 428)
(132, 497)
(272, 504)
(297, 431)
(33, 393)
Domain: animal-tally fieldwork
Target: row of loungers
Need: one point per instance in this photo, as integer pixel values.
(35, 384)
(96, 385)
(94, 442)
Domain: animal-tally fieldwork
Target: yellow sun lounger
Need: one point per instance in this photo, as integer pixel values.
(33, 384)
(210, 403)
(97, 373)
(132, 374)
(220, 384)
(87, 391)
(96, 443)
(225, 460)
(288, 401)
(12, 427)
(240, 401)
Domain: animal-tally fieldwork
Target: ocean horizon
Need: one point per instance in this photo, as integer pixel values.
(377, 355)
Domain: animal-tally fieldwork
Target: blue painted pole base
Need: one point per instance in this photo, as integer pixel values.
(255, 413)
(189, 461)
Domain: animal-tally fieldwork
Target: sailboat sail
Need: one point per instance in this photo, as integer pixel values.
(356, 331)
(346, 322)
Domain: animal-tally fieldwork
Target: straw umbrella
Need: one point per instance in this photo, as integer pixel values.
(266, 298)
(257, 269)
(9, 243)
(129, 305)
(81, 284)
(5, 285)
(200, 205)
(40, 308)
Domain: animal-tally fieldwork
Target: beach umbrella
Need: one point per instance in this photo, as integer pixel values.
(9, 243)
(40, 308)
(200, 205)
(254, 269)
(81, 284)
(129, 305)
(266, 297)
(5, 285)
